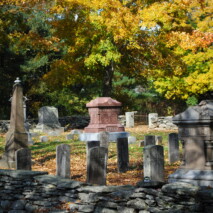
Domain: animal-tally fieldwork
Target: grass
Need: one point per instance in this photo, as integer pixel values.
(44, 154)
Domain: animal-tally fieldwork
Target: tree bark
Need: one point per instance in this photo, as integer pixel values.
(107, 81)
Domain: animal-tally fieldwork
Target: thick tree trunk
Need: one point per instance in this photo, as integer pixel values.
(107, 81)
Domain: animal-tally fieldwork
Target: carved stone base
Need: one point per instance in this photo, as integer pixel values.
(195, 177)
(96, 136)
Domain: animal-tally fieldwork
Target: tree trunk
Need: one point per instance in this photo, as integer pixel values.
(107, 81)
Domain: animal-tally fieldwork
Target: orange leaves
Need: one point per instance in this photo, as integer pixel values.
(188, 41)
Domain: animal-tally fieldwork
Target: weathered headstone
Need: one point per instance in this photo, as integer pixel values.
(16, 137)
(48, 120)
(132, 139)
(152, 120)
(173, 145)
(97, 165)
(130, 119)
(63, 161)
(43, 138)
(149, 140)
(69, 136)
(23, 159)
(122, 154)
(158, 140)
(104, 139)
(153, 162)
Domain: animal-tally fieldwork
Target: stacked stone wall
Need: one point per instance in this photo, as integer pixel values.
(31, 191)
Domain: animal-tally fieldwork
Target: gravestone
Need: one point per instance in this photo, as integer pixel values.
(44, 138)
(23, 159)
(149, 140)
(132, 139)
(173, 145)
(97, 165)
(63, 161)
(104, 139)
(153, 162)
(48, 120)
(130, 119)
(158, 140)
(122, 154)
(195, 130)
(152, 120)
(16, 137)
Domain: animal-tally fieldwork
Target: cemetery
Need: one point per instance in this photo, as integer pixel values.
(106, 106)
(106, 167)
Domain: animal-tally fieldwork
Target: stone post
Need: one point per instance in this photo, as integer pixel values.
(122, 154)
(130, 119)
(63, 161)
(173, 145)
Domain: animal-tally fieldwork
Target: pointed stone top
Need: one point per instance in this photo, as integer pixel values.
(17, 81)
(203, 112)
(103, 102)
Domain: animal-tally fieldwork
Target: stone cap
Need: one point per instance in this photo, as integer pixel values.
(202, 113)
(103, 102)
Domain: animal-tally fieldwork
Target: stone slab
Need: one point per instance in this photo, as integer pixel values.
(195, 177)
(96, 136)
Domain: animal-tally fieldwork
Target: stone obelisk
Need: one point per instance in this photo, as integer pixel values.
(16, 137)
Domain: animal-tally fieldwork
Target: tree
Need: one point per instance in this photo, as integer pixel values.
(185, 30)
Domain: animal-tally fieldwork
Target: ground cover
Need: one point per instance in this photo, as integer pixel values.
(43, 156)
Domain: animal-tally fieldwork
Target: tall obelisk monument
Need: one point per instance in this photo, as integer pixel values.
(16, 137)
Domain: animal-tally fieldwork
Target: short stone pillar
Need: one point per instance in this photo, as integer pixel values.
(173, 145)
(103, 113)
(195, 127)
(130, 121)
(152, 120)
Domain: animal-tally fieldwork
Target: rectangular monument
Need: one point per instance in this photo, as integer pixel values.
(195, 128)
(23, 159)
(173, 145)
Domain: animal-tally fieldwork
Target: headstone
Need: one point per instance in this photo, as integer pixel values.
(158, 140)
(152, 120)
(48, 120)
(69, 136)
(97, 165)
(173, 145)
(63, 161)
(122, 154)
(131, 139)
(103, 113)
(153, 162)
(16, 137)
(104, 139)
(90, 145)
(43, 138)
(130, 119)
(23, 159)
(149, 140)
(141, 143)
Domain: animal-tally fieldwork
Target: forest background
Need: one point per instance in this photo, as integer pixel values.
(151, 55)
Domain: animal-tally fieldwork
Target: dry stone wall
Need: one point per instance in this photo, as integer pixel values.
(31, 191)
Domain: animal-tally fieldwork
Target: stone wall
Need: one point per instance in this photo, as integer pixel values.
(31, 191)
(161, 122)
